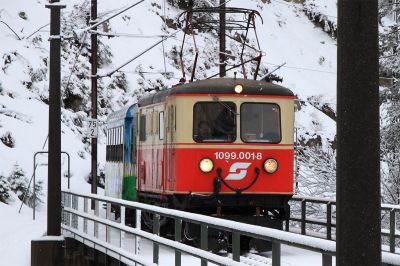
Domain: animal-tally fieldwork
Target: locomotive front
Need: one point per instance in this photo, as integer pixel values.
(233, 147)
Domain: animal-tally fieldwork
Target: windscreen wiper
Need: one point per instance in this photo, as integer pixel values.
(216, 99)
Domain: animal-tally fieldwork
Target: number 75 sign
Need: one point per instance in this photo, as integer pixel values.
(93, 128)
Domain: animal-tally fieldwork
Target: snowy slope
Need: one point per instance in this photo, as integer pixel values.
(286, 36)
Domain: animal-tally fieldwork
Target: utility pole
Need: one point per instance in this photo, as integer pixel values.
(222, 48)
(48, 251)
(358, 168)
(93, 20)
(54, 169)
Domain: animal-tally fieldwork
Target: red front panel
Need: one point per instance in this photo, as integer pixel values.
(238, 169)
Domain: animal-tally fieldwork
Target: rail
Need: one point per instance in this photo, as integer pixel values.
(329, 223)
(76, 220)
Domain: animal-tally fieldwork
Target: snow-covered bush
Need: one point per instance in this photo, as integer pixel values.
(8, 140)
(19, 183)
(4, 189)
(318, 11)
(317, 171)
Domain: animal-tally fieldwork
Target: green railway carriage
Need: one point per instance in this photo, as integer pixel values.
(120, 155)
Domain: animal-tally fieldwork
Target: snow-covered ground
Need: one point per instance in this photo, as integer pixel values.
(286, 36)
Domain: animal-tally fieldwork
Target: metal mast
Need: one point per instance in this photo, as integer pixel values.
(93, 20)
(358, 173)
(222, 48)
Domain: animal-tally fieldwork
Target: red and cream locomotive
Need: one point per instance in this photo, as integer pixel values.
(220, 147)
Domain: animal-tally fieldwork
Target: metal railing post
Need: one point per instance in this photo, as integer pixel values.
(108, 216)
(85, 210)
(156, 231)
(326, 260)
(276, 254)
(303, 216)
(123, 219)
(96, 213)
(69, 204)
(329, 221)
(178, 238)
(75, 206)
(392, 236)
(236, 246)
(287, 223)
(204, 241)
(138, 226)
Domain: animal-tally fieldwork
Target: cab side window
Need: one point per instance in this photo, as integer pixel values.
(142, 133)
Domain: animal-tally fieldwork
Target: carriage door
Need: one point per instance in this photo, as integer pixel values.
(169, 147)
(161, 150)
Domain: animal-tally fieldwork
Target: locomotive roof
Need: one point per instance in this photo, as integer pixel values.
(218, 86)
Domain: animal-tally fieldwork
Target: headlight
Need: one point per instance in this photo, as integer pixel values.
(206, 165)
(270, 166)
(239, 88)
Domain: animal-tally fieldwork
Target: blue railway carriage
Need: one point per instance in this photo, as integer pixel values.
(121, 154)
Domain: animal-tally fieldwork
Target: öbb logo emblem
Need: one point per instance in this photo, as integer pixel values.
(238, 171)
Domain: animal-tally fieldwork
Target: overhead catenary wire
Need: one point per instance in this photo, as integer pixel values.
(285, 66)
(91, 27)
(148, 72)
(302, 68)
(108, 74)
(128, 35)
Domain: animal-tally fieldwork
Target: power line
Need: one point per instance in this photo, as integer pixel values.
(108, 74)
(128, 35)
(147, 72)
(91, 27)
(302, 68)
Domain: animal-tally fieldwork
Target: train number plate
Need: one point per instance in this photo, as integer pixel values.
(219, 155)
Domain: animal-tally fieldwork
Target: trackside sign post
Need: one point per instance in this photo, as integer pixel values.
(92, 128)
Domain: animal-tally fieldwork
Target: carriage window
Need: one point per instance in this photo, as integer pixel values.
(214, 122)
(260, 122)
(142, 133)
(161, 125)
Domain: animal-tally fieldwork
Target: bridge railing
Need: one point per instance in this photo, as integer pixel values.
(302, 214)
(76, 219)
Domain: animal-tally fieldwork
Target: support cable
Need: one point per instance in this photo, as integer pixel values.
(91, 27)
(108, 74)
(128, 35)
(19, 38)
